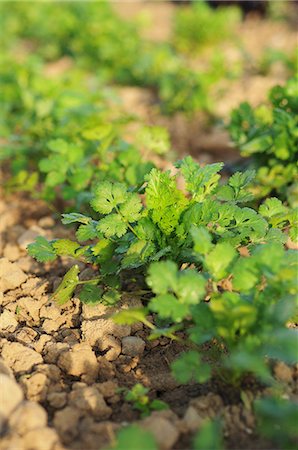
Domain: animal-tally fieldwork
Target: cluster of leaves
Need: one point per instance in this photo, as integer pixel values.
(272, 57)
(95, 37)
(134, 230)
(277, 420)
(202, 232)
(58, 139)
(201, 25)
(269, 135)
(140, 400)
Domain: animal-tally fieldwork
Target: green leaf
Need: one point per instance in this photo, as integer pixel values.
(42, 250)
(191, 287)
(53, 164)
(107, 196)
(111, 297)
(268, 258)
(86, 232)
(209, 437)
(168, 306)
(250, 224)
(236, 189)
(131, 208)
(272, 207)
(190, 367)
(104, 251)
(90, 293)
(245, 274)
(234, 315)
(134, 438)
(67, 286)
(202, 239)
(75, 217)
(99, 132)
(162, 277)
(55, 178)
(80, 177)
(200, 181)
(58, 146)
(169, 332)
(155, 139)
(203, 329)
(240, 180)
(218, 261)
(137, 254)
(164, 201)
(277, 420)
(112, 225)
(66, 247)
(158, 405)
(245, 362)
(131, 316)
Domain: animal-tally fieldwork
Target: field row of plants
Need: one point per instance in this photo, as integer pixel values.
(212, 257)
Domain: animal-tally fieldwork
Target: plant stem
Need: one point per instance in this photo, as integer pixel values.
(89, 281)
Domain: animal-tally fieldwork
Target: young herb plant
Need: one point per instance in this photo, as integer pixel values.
(269, 135)
(218, 271)
(140, 400)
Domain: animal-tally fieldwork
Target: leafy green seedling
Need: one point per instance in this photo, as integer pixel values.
(140, 400)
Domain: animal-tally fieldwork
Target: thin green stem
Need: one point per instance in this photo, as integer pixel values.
(89, 281)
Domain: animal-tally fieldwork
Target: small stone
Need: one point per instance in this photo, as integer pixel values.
(96, 331)
(26, 335)
(66, 423)
(50, 312)
(5, 369)
(192, 419)
(29, 309)
(111, 346)
(8, 321)
(208, 405)
(162, 429)
(92, 433)
(46, 222)
(28, 416)
(36, 386)
(57, 399)
(11, 252)
(11, 442)
(20, 358)
(50, 325)
(51, 371)
(11, 396)
(28, 264)
(54, 350)
(92, 311)
(29, 236)
(107, 389)
(11, 276)
(90, 400)
(42, 438)
(80, 361)
(133, 346)
(42, 341)
(283, 372)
